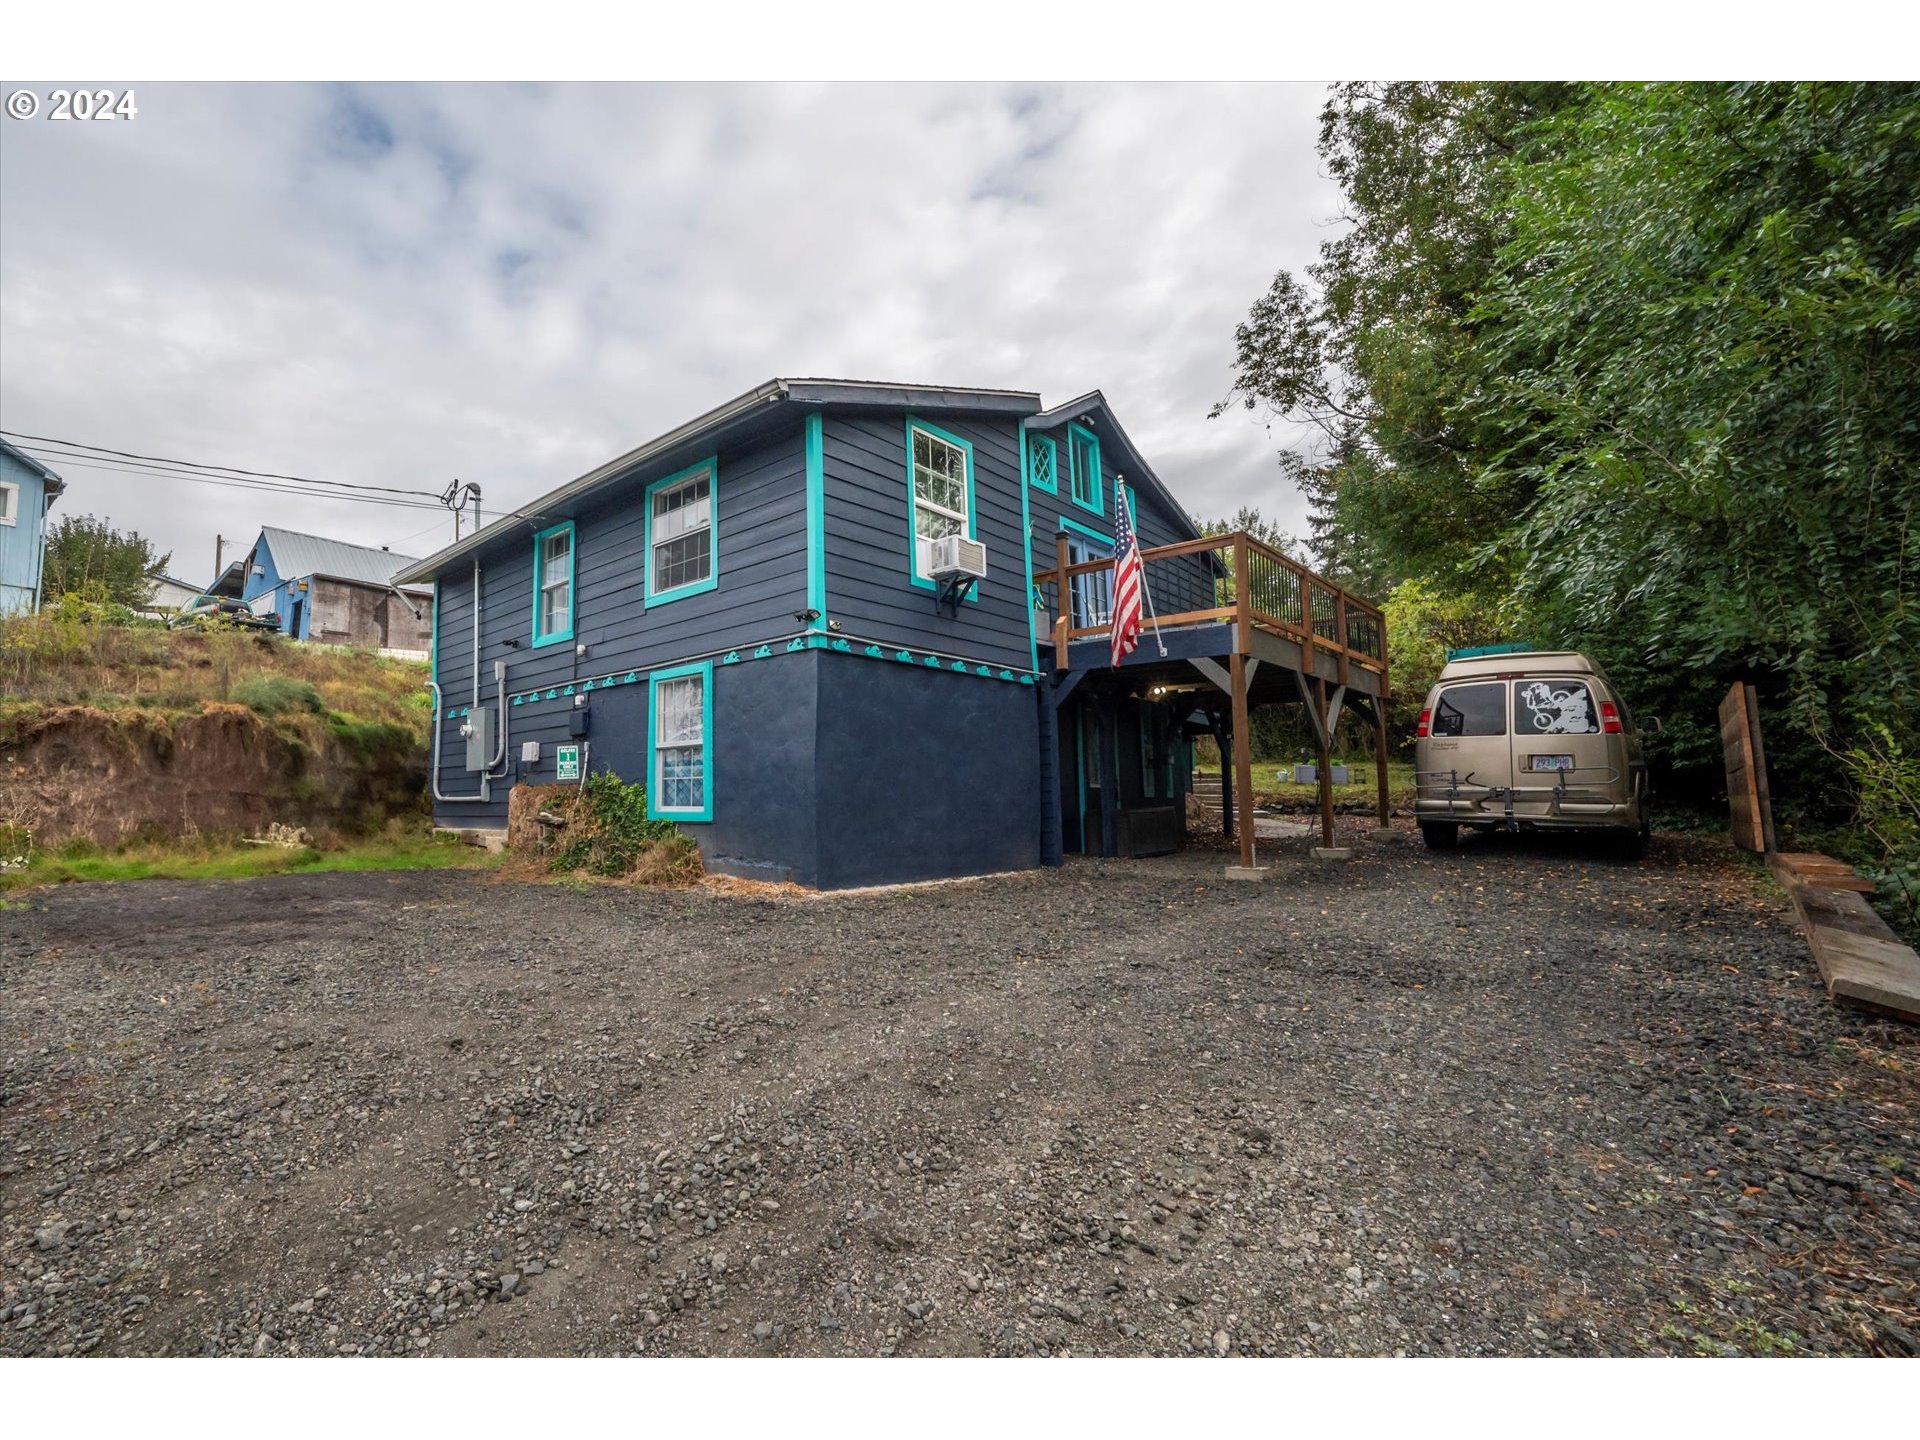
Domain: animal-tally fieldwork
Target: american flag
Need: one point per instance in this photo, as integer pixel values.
(1128, 577)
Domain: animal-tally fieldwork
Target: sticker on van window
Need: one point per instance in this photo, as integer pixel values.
(1554, 709)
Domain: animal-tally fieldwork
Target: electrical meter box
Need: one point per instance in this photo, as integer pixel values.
(481, 737)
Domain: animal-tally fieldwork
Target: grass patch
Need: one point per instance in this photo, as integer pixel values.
(1359, 791)
(235, 860)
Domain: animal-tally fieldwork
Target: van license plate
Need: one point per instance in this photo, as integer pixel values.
(1550, 762)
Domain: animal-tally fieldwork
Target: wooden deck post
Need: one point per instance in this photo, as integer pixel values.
(1242, 757)
(1109, 776)
(1380, 759)
(1325, 741)
(1062, 602)
(1220, 743)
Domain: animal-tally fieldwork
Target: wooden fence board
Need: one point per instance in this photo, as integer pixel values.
(1748, 798)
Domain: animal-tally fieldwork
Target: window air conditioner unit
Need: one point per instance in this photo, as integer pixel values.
(955, 557)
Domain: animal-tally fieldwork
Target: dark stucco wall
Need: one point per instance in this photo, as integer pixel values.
(923, 774)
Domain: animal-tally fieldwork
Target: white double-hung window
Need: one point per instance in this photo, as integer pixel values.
(680, 714)
(942, 492)
(9, 503)
(682, 542)
(553, 585)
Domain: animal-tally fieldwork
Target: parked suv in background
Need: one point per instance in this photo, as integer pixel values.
(1519, 739)
(208, 610)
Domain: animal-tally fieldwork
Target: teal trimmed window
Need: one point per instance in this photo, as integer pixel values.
(679, 742)
(1043, 463)
(553, 555)
(1083, 469)
(1091, 593)
(683, 534)
(940, 498)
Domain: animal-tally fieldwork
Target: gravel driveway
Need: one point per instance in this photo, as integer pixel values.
(1522, 1098)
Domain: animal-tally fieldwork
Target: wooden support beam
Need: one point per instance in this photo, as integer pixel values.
(1380, 759)
(1109, 715)
(1226, 773)
(1242, 745)
(1325, 767)
(1062, 601)
(1217, 673)
(1067, 686)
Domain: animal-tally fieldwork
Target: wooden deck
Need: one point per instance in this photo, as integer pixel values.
(1243, 620)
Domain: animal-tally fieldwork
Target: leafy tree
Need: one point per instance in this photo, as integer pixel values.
(89, 558)
(1374, 349)
(1260, 528)
(1638, 368)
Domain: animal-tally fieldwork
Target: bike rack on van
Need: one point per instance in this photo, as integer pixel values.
(1555, 793)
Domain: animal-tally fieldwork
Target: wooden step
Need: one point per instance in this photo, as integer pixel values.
(1860, 958)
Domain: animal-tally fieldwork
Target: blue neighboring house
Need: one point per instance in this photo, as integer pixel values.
(333, 592)
(27, 492)
(744, 616)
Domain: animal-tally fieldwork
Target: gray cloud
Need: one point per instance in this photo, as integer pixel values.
(510, 284)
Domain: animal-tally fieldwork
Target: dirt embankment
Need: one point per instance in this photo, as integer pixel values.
(109, 776)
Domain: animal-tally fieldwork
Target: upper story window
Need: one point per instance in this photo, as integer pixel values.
(942, 491)
(1043, 463)
(683, 543)
(1083, 463)
(553, 585)
(9, 503)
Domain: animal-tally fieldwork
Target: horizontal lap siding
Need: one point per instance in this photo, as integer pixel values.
(868, 556)
(1176, 585)
(761, 511)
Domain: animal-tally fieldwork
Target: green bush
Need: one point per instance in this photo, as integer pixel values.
(272, 694)
(608, 833)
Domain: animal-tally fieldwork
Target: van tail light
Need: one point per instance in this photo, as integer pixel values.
(1426, 723)
(1609, 717)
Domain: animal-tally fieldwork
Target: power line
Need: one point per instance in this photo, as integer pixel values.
(119, 468)
(80, 446)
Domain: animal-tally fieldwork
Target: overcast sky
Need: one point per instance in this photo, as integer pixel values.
(399, 285)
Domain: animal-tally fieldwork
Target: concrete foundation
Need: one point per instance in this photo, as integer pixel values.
(1333, 852)
(1249, 872)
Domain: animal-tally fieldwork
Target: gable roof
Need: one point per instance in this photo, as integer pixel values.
(1093, 405)
(740, 415)
(54, 484)
(296, 556)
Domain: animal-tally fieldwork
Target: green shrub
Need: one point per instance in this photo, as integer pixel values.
(272, 694)
(608, 833)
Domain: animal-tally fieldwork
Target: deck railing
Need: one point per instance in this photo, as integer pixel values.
(1198, 582)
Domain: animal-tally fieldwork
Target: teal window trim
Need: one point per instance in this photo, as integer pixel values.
(1098, 502)
(693, 587)
(1026, 543)
(1067, 523)
(540, 579)
(704, 669)
(913, 519)
(816, 449)
(1052, 484)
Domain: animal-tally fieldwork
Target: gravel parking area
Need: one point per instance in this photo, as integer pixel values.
(1523, 1098)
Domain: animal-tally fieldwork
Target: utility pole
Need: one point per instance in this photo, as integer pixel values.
(219, 557)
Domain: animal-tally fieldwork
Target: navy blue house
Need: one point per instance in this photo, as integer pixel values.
(741, 616)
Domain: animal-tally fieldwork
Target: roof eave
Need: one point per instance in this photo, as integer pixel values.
(806, 393)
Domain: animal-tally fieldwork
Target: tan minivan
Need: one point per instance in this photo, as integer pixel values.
(1519, 739)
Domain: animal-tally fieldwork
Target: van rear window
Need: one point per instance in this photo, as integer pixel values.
(1553, 707)
(1471, 710)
